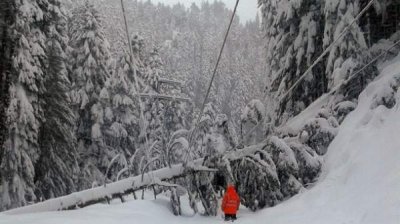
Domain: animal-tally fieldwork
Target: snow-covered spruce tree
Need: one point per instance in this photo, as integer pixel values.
(122, 114)
(187, 40)
(338, 15)
(252, 123)
(162, 116)
(204, 128)
(381, 21)
(154, 69)
(21, 149)
(128, 132)
(319, 132)
(279, 167)
(297, 155)
(201, 189)
(213, 138)
(270, 172)
(90, 60)
(167, 132)
(351, 53)
(293, 39)
(255, 175)
(154, 111)
(57, 167)
(172, 115)
(224, 134)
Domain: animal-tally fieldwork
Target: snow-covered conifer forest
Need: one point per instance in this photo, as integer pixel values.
(105, 110)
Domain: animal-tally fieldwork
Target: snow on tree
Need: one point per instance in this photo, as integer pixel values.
(129, 120)
(320, 132)
(154, 70)
(57, 166)
(141, 139)
(123, 112)
(130, 123)
(293, 41)
(255, 175)
(339, 15)
(24, 112)
(220, 138)
(90, 60)
(355, 49)
(297, 32)
(39, 158)
(272, 171)
(21, 151)
(187, 40)
(204, 128)
(252, 122)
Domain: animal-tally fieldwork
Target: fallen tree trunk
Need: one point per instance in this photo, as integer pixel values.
(164, 97)
(113, 190)
(119, 189)
(171, 82)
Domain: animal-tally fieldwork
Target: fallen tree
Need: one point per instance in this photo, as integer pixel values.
(116, 190)
(264, 174)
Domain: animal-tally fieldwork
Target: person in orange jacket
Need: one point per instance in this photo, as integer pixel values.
(230, 203)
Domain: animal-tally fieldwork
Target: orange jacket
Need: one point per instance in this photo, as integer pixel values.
(231, 201)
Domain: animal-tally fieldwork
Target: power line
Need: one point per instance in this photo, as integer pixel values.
(218, 61)
(319, 59)
(385, 52)
(135, 75)
(352, 76)
(215, 71)
(131, 56)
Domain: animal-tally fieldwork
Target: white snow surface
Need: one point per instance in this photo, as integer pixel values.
(360, 182)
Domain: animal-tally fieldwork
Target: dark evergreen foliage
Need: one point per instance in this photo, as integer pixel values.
(7, 18)
(57, 167)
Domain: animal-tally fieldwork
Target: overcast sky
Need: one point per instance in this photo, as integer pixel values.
(247, 8)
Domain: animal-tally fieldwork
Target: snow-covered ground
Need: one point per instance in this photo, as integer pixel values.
(360, 183)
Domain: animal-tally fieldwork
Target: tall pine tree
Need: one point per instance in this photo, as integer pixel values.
(90, 70)
(294, 39)
(338, 15)
(56, 169)
(21, 149)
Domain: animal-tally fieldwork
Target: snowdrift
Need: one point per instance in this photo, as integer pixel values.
(360, 182)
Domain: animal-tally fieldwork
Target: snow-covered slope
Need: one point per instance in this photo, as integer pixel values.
(360, 183)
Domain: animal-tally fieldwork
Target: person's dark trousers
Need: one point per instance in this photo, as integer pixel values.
(230, 217)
